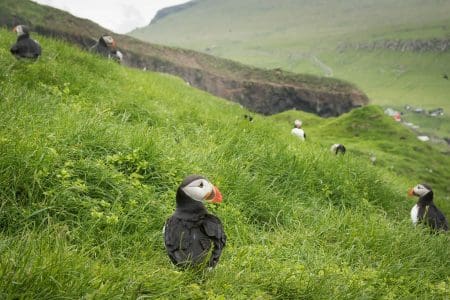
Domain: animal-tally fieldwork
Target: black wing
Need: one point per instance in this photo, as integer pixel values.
(214, 230)
(174, 239)
(436, 218)
(26, 48)
(185, 241)
(14, 49)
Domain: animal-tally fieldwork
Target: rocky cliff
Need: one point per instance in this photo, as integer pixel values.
(418, 45)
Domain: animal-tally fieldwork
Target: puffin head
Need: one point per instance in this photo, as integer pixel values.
(420, 190)
(198, 188)
(21, 30)
(109, 41)
(298, 123)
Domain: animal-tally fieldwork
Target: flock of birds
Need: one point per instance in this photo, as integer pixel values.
(28, 48)
(191, 232)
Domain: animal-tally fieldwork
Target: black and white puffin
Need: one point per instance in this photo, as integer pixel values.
(425, 211)
(191, 231)
(338, 148)
(106, 46)
(25, 47)
(298, 131)
(248, 117)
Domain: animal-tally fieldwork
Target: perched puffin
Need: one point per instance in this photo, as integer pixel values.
(298, 131)
(117, 56)
(248, 117)
(338, 148)
(425, 211)
(25, 47)
(191, 231)
(106, 46)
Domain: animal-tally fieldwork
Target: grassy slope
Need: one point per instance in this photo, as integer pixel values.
(290, 34)
(91, 154)
(52, 20)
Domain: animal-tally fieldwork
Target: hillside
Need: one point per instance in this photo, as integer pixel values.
(396, 51)
(263, 91)
(91, 154)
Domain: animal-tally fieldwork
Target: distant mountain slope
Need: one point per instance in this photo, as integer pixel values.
(162, 13)
(260, 90)
(397, 51)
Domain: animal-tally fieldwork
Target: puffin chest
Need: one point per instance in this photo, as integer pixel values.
(415, 214)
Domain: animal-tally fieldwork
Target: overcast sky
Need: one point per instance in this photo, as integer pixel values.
(120, 16)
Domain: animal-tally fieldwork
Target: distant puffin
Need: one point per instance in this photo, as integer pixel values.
(425, 211)
(106, 46)
(338, 148)
(191, 231)
(117, 56)
(25, 47)
(298, 131)
(248, 117)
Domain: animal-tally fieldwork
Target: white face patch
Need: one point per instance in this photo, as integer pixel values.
(333, 148)
(415, 214)
(108, 39)
(420, 190)
(19, 30)
(198, 190)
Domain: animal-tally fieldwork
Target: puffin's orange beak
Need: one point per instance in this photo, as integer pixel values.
(215, 196)
(411, 192)
(15, 29)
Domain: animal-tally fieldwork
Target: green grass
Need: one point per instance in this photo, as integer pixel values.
(91, 154)
(305, 37)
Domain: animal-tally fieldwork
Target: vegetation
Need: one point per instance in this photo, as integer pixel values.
(91, 154)
(53, 22)
(320, 37)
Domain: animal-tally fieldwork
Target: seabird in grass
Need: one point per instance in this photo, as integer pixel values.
(338, 149)
(106, 46)
(25, 47)
(191, 232)
(425, 211)
(298, 131)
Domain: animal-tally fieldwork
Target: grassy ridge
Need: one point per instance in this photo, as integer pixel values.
(91, 154)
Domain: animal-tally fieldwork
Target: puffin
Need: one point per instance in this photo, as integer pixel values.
(338, 148)
(25, 47)
(425, 211)
(191, 232)
(248, 117)
(117, 56)
(106, 46)
(298, 131)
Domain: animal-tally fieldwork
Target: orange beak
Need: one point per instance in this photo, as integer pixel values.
(411, 192)
(14, 29)
(215, 196)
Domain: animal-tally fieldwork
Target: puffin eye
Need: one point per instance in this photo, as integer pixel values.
(201, 184)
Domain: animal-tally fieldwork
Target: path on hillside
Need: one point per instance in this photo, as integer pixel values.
(326, 69)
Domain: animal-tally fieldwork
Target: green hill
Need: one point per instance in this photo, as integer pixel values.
(91, 154)
(396, 51)
(263, 91)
